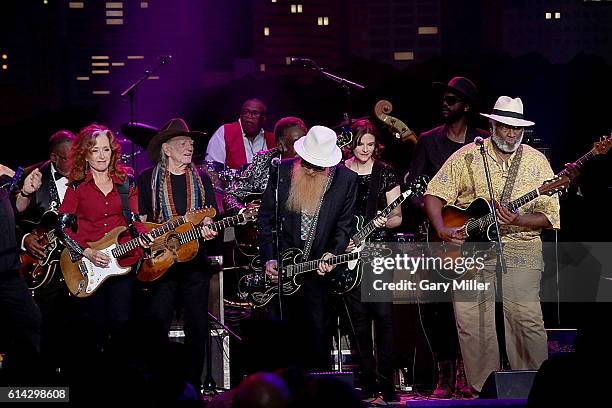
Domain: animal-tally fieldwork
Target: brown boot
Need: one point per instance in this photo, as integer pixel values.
(462, 388)
(460, 379)
(446, 380)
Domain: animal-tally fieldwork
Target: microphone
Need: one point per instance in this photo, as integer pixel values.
(275, 162)
(478, 140)
(301, 61)
(16, 178)
(164, 59)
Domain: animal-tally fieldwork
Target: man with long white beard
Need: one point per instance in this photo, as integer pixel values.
(316, 200)
(516, 169)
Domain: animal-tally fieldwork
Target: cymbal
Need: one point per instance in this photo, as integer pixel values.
(139, 133)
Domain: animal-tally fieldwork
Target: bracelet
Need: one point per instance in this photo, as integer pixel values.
(26, 195)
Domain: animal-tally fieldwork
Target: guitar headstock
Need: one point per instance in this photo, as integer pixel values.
(603, 146)
(374, 250)
(250, 212)
(555, 185)
(419, 185)
(344, 139)
(197, 216)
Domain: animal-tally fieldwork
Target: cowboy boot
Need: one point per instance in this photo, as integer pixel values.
(446, 380)
(460, 379)
(462, 388)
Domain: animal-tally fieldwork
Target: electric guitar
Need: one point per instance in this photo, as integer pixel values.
(476, 221)
(39, 272)
(83, 278)
(345, 278)
(181, 245)
(260, 290)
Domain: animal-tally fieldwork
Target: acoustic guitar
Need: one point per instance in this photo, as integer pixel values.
(182, 244)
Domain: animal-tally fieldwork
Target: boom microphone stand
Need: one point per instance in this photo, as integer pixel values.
(344, 83)
(131, 90)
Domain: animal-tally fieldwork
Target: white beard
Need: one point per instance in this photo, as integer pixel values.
(505, 146)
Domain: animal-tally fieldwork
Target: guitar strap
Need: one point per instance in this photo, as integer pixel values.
(313, 226)
(130, 217)
(509, 185)
(124, 193)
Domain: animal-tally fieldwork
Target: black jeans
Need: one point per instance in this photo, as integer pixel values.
(109, 308)
(54, 304)
(362, 314)
(440, 327)
(22, 317)
(191, 282)
(303, 338)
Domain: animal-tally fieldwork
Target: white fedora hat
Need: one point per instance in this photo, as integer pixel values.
(319, 147)
(509, 111)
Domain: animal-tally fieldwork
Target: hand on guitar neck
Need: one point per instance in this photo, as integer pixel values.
(505, 216)
(323, 268)
(379, 222)
(102, 260)
(572, 170)
(208, 233)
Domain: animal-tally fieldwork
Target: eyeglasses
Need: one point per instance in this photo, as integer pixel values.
(311, 166)
(252, 113)
(503, 128)
(451, 100)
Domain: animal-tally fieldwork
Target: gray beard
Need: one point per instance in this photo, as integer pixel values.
(504, 146)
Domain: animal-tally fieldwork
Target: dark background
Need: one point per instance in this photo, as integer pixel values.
(561, 70)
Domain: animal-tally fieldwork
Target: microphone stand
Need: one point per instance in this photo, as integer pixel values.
(500, 268)
(346, 86)
(279, 257)
(130, 91)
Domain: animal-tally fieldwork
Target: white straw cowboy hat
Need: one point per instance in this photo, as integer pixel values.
(319, 147)
(508, 111)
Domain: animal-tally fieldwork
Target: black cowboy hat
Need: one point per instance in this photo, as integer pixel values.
(174, 127)
(460, 86)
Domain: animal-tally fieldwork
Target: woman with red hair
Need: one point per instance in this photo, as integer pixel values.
(93, 203)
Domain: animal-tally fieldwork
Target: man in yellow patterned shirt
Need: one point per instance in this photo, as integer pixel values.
(461, 180)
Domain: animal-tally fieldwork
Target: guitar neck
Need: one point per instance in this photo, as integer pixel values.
(521, 201)
(196, 233)
(370, 227)
(483, 222)
(309, 266)
(155, 233)
(580, 162)
(486, 220)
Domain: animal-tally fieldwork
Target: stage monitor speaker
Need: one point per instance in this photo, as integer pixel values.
(514, 384)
